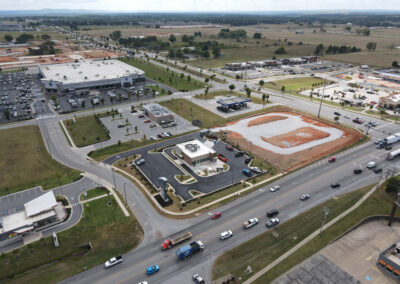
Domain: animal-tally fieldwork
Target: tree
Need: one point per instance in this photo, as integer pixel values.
(231, 87)
(46, 37)
(283, 88)
(115, 35)
(393, 184)
(172, 38)
(83, 104)
(7, 114)
(248, 92)
(336, 119)
(263, 99)
(395, 64)
(237, 77)
(216, 51)
(8, 38)
(319, 49)
(206, 80)
(280, 50)
(257, 35)
(267, 98)
(261, 83)
(24, 38)
(371, 46)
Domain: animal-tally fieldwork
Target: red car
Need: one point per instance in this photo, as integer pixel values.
(216, 215)
(222, 158)
(331, 159)
(229, 148)
(147, 121)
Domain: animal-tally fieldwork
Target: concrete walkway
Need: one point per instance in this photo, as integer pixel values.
(67, 134)
(310, 237)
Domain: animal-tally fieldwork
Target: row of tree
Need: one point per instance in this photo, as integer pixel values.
(227, 33)
(24, 38)
(333, 49)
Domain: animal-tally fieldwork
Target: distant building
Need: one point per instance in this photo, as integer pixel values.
(39, 213)
(392, 75)
(293, 61)
(89, 74)
(299, 32)
(195, 152)
(389, 261)
(15, 28)
(310, 59)
(158, 113)
(267, 63)
(390, 102)
(239, 66)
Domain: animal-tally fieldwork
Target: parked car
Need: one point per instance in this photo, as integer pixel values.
(371, 165)
(388, 147)
(256, 170)
(152, 269)
(121, 125)
(147, 121)
(379, 141)
(274, 188)
(304, 197)
(140, 162)
(335, 185)
(272, 222)
(216, 215)
(246, 172)
(160, 135)
(357, 171)
(239, 154)
(332, 159)
(380, 146)
(273, 212)
(247, 160)
(153, 138)
(141, 115)
(229, 148)
(377, 170)
(226, 235)
(222, 158)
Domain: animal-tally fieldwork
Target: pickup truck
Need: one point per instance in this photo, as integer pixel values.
(168, 243)
(250, 223)
(113, 261)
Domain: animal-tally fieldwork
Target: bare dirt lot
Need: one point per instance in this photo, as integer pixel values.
(292, 142)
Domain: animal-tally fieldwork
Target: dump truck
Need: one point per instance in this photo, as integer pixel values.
(186, 251)
(168, 243)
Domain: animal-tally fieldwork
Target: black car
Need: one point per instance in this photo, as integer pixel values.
(273, 212)
(239, 154)
(388, 147)
(248, 160)
(335, 185)
(357, 171)
(377, 170)
(337, 113)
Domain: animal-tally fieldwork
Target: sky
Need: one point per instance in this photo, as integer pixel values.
(200, 5)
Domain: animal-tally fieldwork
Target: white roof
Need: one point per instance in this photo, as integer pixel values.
(195, 151)
(41, 204)
(87, 71)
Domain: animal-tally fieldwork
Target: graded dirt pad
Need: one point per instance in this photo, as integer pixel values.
(265, 119)
(7, 59)
(300, 136)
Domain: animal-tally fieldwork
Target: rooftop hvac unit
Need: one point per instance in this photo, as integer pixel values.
(57, 74)
(85, 77)
(65, 77)
(80, 72)
(97, 75)
(192, 147)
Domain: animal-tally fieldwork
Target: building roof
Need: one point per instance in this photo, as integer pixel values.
(233, 101)
(88, 70)
(43, 203)
(156, 109)
(194, 148)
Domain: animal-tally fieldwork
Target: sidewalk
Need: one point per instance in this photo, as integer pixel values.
(310, 237)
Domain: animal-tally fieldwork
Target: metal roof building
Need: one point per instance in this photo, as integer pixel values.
(89, 74)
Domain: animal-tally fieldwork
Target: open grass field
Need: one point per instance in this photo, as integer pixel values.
(26, 163)
(379, 203)
(220, 93)
(86, 131)
(263, 249)
(53, 35)
(164, 76)
(106, 227)
(294, 84)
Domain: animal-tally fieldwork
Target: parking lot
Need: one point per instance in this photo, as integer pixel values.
(16, 96)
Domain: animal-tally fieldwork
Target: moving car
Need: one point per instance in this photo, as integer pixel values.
(229, 148)
(246, 172)
(256, 170)
(250, 223)
(198, 279)
(371, 165)
(140, 162)
(273, 212)
(272, 222)
(152, 269)
(304, 197)
(144, 282)
(153, 138)
(216, 215)
(226, 235)
(388, 147)
(335, 185)
(222, 158)
(346, 116)
(358, 120)
(332, 159)
(113, 261)
(357, 171)
(379, 141)
(274, 188)
(377, 170)
(380, 146)
(337, 113)
(147, 121)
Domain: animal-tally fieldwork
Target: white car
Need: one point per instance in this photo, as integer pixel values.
(198, 279)
(256, 170)
(226, 235)
(274, 188)
(113, 261)
(272, 222)
(371, 165)
(144, 282)
(346, 116)
(250, 223)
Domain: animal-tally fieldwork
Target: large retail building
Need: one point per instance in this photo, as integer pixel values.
(89, 74)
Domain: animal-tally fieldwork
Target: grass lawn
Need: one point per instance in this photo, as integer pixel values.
(26, 163)
(86, 131)
(52, 34)
(295, 84)
(108, 230)
(11, 71)
(94, 192)
(263, 249)
(379, 203)
(164, 76)
(222, 93)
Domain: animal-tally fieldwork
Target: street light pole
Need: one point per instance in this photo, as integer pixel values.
(126, 201)
(322, 97)
(115, 185)
(326, 212)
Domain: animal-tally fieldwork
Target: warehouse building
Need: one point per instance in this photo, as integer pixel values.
(195, 152)
(158, 113)
(89, 74)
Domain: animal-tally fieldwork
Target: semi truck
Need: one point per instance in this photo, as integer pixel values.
(186, 251)
(392, 139)
(168, 243)
(393, 154)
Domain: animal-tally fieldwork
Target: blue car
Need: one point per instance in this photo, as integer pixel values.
(246, 172)
(152, 269)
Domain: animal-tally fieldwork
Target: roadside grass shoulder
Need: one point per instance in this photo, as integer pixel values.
(106, 227)
(86, 130)
(263, 249)
(25, 162)
(295, 84)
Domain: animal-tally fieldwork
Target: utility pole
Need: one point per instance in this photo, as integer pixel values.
(326, 212)
(126, 200)
(368, 127)
(322, 97)
(115, 185)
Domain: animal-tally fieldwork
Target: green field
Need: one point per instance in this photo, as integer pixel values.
(94, 192)
(221, 93)
(26, 163)
(295, 85)
(263, 249)
(164, 76)
(108, 230)
(86, 131)
(53, 35)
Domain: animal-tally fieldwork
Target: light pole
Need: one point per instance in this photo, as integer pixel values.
(126, 201)
(322, 97)
(326, 212)
(115, 185)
